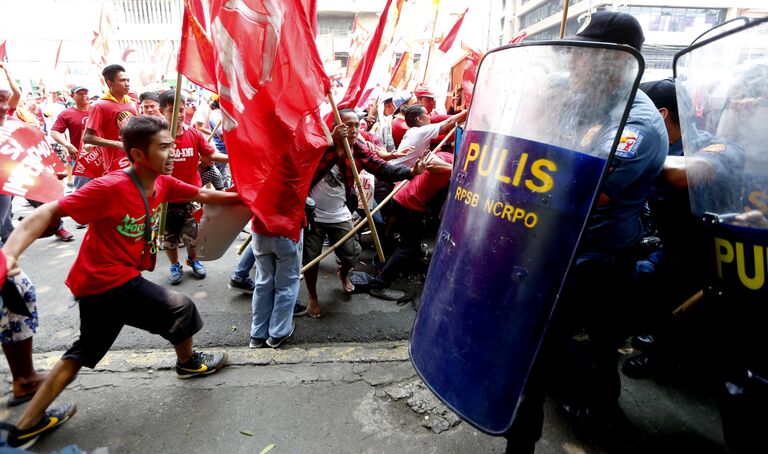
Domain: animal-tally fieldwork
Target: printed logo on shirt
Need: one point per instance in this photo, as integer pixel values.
(180, 154)
(122, 118)
(629, 142)
(134, 227)
(715, 148)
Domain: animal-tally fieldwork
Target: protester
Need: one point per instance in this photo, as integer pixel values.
(421, 131)
(181, 225)
(149, 103)
(332, 184)
(106, 282)
(72, 121)
(108, 115)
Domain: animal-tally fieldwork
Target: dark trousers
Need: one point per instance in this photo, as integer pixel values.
(410, 226)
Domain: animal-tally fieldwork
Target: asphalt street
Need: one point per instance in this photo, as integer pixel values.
(343, 384)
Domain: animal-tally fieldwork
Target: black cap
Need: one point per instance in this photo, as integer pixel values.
(662, 93)
(612, 27)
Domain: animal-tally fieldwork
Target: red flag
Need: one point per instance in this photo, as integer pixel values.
(126, 52)
(402, 73)
(271, 82)
(519, 38)
(28, 165)
(3, 53)
(363, 70)
(310, 6)
(90, 163)
(196, 60)
(449, 39)
(357, 46)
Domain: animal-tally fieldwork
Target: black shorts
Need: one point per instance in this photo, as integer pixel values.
(138, 303)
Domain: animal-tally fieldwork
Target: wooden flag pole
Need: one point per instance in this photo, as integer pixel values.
(565, 18)
(215, 130)
(431, 43)
(174, 122)
(363, 221)
(361, 192)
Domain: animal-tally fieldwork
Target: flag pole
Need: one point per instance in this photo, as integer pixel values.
(566, 3)
(363, 221)
(431, 43)
(174, 122)
(361, 192)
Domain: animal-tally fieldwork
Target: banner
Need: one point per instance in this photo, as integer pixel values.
(28, 165)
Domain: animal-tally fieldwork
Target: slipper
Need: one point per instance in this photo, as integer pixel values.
(315, 316)
(14, 401)
(389, 294)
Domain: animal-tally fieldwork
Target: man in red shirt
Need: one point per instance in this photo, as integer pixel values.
(106, 276)
(73, 120)
(180, 225)
(409, 207)
(108, 115)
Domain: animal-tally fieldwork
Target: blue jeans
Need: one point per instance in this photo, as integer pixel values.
(278, 263)
(243, 269)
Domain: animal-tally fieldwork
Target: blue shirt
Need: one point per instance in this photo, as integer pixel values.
(637, 162)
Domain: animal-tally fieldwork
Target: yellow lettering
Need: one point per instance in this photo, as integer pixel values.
(723, 254)
(458, 193)
(519, 214)
(474, 149)
(488, 206)
(755, 282)
(482, 170)
(546, 180)
(475, 199)
(530, 220)
(507, 213)
(502, 159)
(520, 169)
(497, 208)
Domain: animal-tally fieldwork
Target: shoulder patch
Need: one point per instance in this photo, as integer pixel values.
(715, 148)
(629, 142)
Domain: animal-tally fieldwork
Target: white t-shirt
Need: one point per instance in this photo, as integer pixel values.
(419, 138)
(330, 198)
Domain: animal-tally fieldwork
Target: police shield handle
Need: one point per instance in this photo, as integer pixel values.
(360, 189)
(362, 222)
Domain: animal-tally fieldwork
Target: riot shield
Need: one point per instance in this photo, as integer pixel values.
(545, 119)
(722, 91)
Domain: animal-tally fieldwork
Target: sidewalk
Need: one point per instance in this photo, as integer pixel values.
(335, 399)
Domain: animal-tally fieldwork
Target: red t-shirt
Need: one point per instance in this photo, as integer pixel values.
(114, 211)
(419, 191)
(74, 120)
(106, 118)
(189, 146)
(398, 130)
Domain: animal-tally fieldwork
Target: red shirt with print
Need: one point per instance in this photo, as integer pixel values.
(189, 146)
(114, 211)
(418, 192)
(73, 120)
(106, 118)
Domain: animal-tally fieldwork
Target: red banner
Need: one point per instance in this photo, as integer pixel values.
(270, 83)
(28, 165)
(450, 38)
(90, 163)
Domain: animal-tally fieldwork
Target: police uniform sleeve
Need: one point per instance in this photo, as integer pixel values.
(638, 149)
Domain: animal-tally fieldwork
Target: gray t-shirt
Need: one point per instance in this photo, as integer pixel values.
(330, 198)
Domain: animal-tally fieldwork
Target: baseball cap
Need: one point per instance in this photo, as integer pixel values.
(612, 27)
(423, 90)
(401, 98)
(662, 93)
(77, 88)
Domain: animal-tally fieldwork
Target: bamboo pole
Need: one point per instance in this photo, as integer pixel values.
(566, 3)
(431, 44)
(215, 130)
(361, 192)
(690, 302)
(363, 221)
(174, 123)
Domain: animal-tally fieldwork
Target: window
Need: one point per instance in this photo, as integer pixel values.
(336, 25)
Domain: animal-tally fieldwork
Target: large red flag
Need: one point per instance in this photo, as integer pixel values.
(363, 71)
(196, 60)
(271, 82)
(449, 39)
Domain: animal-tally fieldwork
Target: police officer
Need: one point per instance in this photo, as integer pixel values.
(593, 296)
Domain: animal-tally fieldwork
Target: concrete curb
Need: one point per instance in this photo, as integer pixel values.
(130, 360)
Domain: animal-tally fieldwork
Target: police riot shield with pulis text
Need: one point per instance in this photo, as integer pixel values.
(545, 120)
(722, 94)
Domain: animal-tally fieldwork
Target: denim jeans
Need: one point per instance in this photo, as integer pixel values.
(6, 218)
(278, 263)
(243, 269)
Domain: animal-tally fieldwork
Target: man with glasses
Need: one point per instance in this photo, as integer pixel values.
(421, 131)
